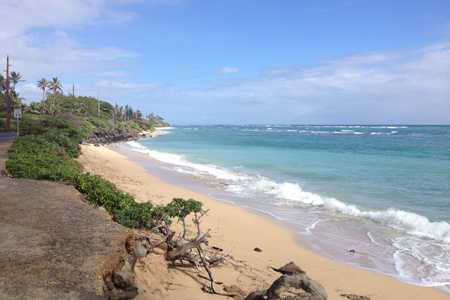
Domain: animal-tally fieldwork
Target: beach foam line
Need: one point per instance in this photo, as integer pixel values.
(292, 194)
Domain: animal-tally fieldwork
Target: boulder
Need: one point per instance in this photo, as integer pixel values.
(282, 289)
(140, 250)
(123, 279)
(312, 289)
(127, 294)
(290, 269)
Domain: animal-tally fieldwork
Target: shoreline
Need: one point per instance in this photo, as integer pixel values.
(226, 221)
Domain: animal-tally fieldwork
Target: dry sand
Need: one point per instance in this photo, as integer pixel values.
(237, 229)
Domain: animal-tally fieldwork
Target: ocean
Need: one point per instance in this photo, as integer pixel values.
(380, 191)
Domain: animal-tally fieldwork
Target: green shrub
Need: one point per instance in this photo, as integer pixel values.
(33, 145)
(87, 130)
(102, 192)
(138, 215)
(120, 126)
(181, 208)
(147, 216)
(36, 158)
(43, 124)
(72, 148)
(136, 126)
(99, 123)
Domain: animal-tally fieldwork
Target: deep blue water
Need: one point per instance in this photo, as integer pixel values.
(383, 190)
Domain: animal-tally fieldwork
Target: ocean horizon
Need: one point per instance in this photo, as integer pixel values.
(380, 191)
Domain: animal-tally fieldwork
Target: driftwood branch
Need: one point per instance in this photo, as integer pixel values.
(184, 250)
(211, 275)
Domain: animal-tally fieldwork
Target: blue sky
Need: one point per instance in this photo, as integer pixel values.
(241, 61)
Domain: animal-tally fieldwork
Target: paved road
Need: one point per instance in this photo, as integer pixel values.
(7, 136)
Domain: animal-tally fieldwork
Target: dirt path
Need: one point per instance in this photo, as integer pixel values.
(52, 244)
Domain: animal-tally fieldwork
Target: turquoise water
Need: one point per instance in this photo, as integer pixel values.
(381, 190)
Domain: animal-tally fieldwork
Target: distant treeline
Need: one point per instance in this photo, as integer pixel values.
(54, 102)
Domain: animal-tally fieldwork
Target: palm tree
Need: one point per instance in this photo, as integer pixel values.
(43, 84)
(15, 78)
(55, 85)
(16, 100)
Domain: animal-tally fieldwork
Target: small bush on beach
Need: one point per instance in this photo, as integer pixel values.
(138, 215)
(102, 192)
(147, 216)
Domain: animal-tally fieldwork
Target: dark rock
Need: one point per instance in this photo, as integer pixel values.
(234, 289)
(312, 289)
(105, 138)
(96, 145)
(123, 279)
(129, 293)
(140, 250)
(207, 289)
(257, 249)
(256, 295)
(355, 297)
(290, 269)
(109, 284)
(132, 291)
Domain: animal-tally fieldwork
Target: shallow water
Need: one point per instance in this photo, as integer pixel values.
(380, 190)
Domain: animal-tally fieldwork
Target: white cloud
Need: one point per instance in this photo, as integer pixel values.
(369, 88)
(227, 70)
(20, 16)
(372, 88)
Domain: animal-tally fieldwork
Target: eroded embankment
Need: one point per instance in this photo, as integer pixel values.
(52, 244)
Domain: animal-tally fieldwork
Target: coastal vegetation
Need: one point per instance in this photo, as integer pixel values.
(101, 114)
(51, 132)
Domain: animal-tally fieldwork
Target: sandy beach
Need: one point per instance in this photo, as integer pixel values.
(236, 229)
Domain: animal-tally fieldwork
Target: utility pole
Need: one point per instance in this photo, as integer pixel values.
(99, 104)
(73, 104)
(8, 99)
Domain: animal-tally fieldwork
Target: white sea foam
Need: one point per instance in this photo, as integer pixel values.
(417, 258)
(308, 229)
(287, 193)
(411, 223)
(372, 239)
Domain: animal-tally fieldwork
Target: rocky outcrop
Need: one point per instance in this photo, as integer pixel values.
(106, 138)
(289, 269)
(282, 289)
(119, 285)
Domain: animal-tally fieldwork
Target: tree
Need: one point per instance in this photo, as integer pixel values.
(183, 248)
(43, 84)
(15, 78)
(55, 85)
(121, 114)
(16, 100)
(2, 84)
